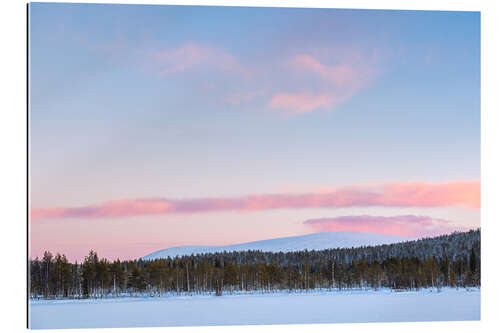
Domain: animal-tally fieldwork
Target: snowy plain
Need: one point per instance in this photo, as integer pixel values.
(257, 308)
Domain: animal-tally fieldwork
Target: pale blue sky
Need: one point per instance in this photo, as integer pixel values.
(177, 102)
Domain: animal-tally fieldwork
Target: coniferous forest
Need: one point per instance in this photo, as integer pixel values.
(445, 261)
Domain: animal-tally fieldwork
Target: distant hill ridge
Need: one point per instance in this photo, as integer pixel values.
(316, 241)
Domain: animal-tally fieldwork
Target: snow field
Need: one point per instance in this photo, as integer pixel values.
(250, 309)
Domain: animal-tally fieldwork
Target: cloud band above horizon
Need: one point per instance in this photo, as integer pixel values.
(409, 194)
(403, 225)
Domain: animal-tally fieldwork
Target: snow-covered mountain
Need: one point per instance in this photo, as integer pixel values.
(317, 241)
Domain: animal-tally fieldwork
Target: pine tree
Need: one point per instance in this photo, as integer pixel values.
(450, 260)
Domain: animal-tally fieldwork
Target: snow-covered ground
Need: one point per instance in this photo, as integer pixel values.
(249, 309)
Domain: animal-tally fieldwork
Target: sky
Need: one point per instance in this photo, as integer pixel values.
(160, 126)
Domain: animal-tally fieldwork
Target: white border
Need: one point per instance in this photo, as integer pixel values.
(13, 164)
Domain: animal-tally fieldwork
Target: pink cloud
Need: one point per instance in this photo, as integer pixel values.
(191, 56)
(335, 85)
(341, 75)
(413, 194)
(463, 194)
(405, 225)
(301, 102)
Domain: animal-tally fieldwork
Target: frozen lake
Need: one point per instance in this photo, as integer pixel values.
(250, 309)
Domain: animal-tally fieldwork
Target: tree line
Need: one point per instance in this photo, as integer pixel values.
(450, 260)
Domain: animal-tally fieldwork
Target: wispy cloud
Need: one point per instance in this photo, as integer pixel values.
(298, 85)
(334, 85)
(192, 56)
(404, 225)
(412, 194)
(301, 102)
(340, 75)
